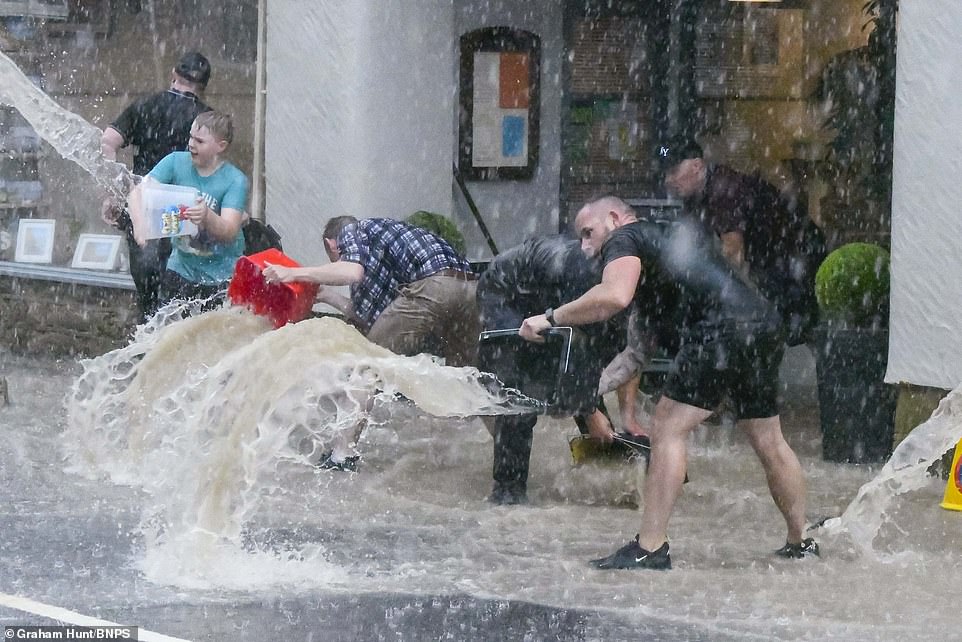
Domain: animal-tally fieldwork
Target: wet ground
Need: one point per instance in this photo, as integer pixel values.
(69, 542)
(408, 550)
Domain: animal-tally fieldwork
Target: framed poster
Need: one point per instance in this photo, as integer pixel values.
(35, 240)
(96, 252)
(499, 104)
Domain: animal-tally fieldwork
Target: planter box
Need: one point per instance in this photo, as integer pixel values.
(856, 406)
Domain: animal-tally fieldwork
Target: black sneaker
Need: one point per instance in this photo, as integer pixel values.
(634, 445)
(632, 555)
(347, 465)
(808, 547)
(507, 495)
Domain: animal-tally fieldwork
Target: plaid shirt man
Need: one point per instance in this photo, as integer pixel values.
(393, 254)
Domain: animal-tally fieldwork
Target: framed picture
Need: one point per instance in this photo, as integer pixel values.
(35, 240)
(499, 104)
(96, 252)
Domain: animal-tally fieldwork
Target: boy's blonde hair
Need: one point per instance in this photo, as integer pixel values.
(218, 123)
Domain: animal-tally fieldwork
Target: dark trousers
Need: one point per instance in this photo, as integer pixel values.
(147, 266)
(512, 450)
(174, 286)
(514, 364)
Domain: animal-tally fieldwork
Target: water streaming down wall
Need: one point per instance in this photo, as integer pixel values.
(358, 115)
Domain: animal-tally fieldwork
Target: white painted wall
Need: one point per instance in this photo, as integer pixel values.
(517, 209)
(925, 345)
(359, 106)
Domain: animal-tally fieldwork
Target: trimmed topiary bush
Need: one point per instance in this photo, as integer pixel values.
(852, 284)
(441, 226)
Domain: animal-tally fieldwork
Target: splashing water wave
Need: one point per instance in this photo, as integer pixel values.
(201, 412)
(906, 471)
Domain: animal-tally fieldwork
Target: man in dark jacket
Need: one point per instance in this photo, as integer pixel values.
(528, 279)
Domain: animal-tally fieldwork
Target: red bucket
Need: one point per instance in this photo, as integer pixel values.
(282, 302)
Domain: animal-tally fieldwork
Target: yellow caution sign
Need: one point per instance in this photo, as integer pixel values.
(953, 489)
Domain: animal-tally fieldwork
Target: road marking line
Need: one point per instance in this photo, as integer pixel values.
(70, 617)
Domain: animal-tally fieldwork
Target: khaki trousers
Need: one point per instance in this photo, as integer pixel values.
(437, 315)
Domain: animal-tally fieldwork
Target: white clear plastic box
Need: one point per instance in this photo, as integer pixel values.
(162, 205)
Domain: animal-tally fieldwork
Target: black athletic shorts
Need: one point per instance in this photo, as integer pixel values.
(740, 360)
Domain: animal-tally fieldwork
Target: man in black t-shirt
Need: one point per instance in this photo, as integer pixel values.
(156, 125)
(729, 343)
(761, 231)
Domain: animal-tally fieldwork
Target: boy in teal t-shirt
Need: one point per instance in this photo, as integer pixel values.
(201, 265)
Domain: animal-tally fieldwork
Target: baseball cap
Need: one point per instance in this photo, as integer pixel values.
(677, 149)
(193, 66)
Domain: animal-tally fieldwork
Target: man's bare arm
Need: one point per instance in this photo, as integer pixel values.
(733, 247)
(337, 273)
(608, 298)
(337, 301)
(110, 142)
(600, 303)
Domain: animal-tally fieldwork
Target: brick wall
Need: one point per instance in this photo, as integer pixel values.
(63, 319)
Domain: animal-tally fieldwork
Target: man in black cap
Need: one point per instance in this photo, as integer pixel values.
(762, 234)
(156, 125)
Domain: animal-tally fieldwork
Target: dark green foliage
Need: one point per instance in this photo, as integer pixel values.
(852, 284)
(441, 226)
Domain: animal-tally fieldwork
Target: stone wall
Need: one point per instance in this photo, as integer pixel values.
(63, 319)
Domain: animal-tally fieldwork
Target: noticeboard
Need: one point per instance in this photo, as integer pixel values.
(499, 104)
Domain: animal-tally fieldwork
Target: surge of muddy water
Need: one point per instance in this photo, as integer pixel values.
(204, 413)
(210, 417)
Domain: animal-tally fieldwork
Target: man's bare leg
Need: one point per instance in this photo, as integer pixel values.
(599, 427)
(628, 406)
(786, 482)
(672, 423)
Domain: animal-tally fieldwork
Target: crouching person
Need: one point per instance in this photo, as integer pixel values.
(526, 280)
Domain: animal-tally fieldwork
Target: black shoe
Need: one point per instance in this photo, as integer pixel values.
(633, 445)
(507, 494)
(632, 555)
(347, 465)
(807, 548)
(638, 441)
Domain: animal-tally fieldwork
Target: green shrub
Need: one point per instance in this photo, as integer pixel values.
(852, 284)
(441, 226)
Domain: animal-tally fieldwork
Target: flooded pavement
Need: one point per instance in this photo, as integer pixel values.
(408, 549)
